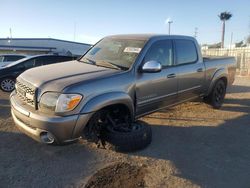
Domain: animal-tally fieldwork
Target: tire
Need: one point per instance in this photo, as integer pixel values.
(7, 84)
(129, 141)
(217, 96)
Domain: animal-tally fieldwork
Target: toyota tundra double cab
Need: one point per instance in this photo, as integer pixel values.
(120, 79)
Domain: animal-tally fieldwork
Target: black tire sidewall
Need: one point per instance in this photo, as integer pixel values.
(214, 103)
(129, 141)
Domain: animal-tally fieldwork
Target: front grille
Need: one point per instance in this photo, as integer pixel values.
(26, 93)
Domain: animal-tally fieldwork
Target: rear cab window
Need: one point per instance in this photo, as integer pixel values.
(186, 52)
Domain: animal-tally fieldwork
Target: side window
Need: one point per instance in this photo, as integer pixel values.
(29, 63)
(63, 58)
(44, 60)
(12, 58)
(185, 51)
(53, 59)
(38, 61)
(162, 52)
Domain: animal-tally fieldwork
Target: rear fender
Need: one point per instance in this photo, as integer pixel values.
(221, 73)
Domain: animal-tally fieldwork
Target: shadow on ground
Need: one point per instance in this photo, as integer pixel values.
(238, 89)
(4, 108)
(26, 163)
(208, 156)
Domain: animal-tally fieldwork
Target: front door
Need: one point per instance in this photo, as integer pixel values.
(157, 90)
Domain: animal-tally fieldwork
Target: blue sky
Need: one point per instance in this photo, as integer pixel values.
(93, 19)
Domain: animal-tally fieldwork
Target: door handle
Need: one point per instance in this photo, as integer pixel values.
(171, 75)
(200, 70)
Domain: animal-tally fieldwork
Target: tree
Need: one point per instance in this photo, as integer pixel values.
(248, 39)
(224, 16)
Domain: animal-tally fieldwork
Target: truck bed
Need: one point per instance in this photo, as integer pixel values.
(212, 58)
(215, 64)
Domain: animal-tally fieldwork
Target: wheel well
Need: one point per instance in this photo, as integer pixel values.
(92, 132)
(122, 107)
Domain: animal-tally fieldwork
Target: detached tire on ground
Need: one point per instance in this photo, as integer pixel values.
(139, 138)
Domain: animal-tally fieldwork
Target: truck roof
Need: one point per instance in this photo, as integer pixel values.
(149, 36)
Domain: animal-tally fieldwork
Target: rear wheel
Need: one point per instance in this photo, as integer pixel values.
(7, 84)
(216, 97)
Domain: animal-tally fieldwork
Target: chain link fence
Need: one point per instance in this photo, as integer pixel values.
(242, 56)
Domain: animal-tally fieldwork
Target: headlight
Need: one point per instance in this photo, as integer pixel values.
(59, 102)
(67, 102)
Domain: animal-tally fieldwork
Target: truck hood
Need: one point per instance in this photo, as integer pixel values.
(56, 77)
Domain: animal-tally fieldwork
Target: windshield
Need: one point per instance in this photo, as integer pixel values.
(120, 53)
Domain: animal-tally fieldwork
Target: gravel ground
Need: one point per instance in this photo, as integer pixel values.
(193, 146)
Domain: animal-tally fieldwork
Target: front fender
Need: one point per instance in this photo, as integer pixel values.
(221, 73)
(108, 99)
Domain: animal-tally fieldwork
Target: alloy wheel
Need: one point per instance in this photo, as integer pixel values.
(7, 85)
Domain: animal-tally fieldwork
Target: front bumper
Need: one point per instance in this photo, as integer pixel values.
(33, 123)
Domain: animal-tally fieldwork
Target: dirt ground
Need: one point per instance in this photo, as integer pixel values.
(193, 146)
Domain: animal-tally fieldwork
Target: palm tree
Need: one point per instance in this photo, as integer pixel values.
(224, 16)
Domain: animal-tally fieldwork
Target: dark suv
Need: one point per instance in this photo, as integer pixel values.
(9, 72)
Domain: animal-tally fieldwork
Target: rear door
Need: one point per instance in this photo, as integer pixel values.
(191, 72)
(157, 90)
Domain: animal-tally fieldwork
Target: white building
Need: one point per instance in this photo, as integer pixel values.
(42, 46)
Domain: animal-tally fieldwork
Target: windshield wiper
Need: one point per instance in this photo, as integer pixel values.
(87, 60)
(107, 65)
(102, 63)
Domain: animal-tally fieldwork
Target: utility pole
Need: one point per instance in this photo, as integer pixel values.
(10, 33)
(169, 21)
(10, 37)
(195, 32)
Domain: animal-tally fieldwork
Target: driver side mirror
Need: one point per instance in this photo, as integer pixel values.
(151, 67)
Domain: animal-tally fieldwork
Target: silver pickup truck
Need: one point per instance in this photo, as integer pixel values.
(119, 80)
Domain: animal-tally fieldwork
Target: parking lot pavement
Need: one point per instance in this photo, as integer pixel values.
(193, 146)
